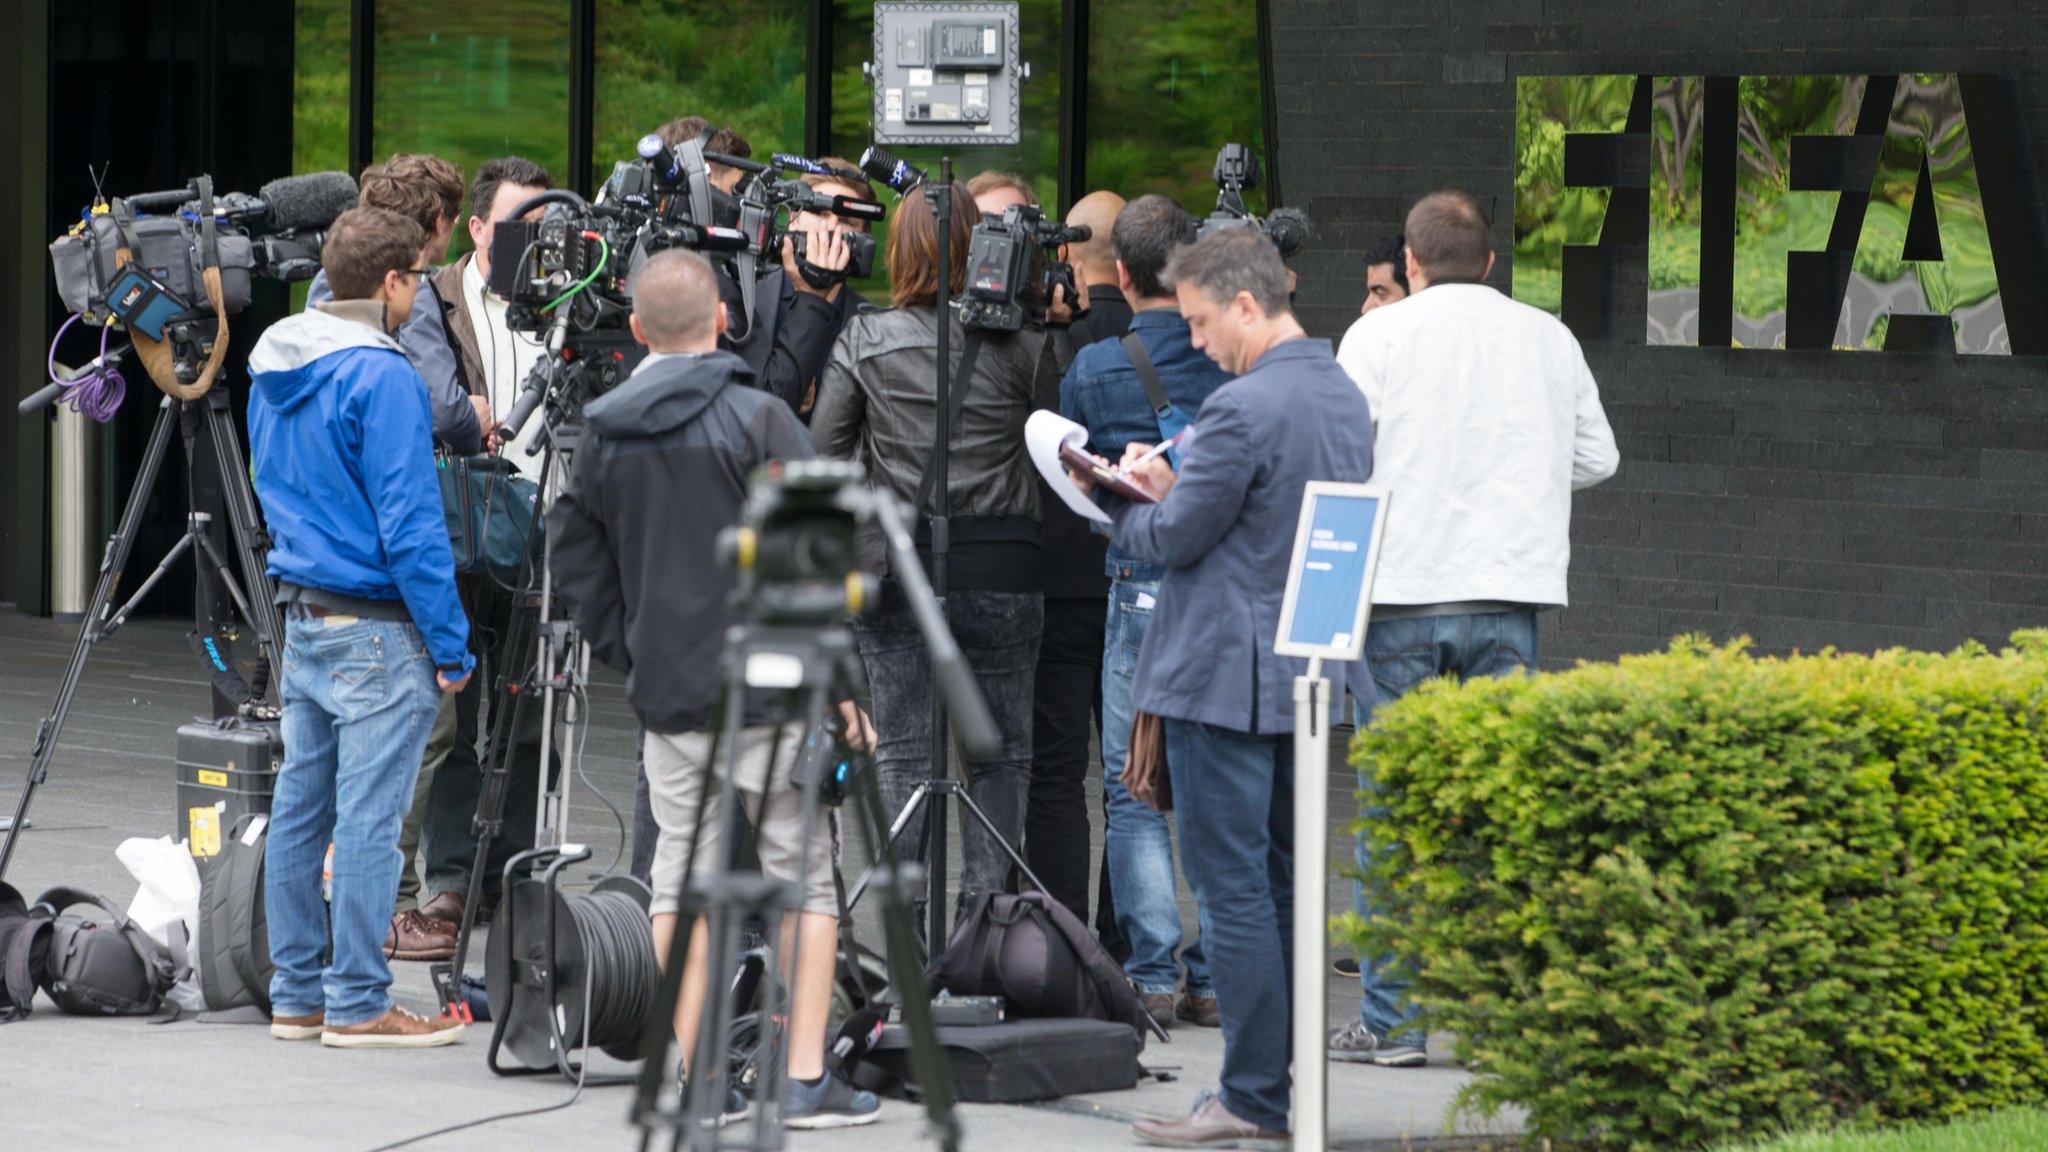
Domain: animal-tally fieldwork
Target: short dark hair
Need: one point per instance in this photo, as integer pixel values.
(722, 139)
(1448, 233)
(483, 191)
(424, 189)
(1232, 260)
(1390, 250)
(1146, 234)
(846, 174)
(365, 243)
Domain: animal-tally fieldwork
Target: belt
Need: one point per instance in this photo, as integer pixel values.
(299, 610)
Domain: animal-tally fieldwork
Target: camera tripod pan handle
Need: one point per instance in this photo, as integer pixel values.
(41, 398)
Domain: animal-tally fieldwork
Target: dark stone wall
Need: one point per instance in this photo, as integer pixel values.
(1804, 499)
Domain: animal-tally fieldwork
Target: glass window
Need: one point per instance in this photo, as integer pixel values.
(1036, 159)
(473, 83)
(740, 65)
(320, 86)
(1169, 83)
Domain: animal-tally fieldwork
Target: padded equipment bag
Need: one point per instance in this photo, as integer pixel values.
(102, 967)
(1031, 951)
(234, 933)
(24, 954)
(1013, 1062)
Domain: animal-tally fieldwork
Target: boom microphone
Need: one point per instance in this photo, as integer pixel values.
(883, 167)
(309, 201)
(1289, 229)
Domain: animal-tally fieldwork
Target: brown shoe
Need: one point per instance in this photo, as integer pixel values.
(1210, 1125)
(1160, 1006)
(1200, 1011)
(415, 936)
(396, 1028)
(449, 905)
(305, 1027)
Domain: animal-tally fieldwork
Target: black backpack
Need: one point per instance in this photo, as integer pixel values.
(234, 932)
(89, 967)
(1035, 954)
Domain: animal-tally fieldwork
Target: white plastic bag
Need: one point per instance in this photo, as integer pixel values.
(168, 894)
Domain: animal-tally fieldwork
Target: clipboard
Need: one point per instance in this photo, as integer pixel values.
(1127, 487)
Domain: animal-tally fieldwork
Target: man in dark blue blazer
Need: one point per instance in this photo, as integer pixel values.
(1224, 530)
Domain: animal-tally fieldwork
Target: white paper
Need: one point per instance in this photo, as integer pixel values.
(1044, 434)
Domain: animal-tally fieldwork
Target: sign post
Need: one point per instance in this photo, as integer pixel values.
(1329, 581)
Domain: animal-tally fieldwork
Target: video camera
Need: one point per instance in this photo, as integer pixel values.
(1237, 172)
(796, 549)
(1013, 266)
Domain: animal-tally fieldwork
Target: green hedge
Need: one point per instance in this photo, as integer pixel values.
(1697, 895)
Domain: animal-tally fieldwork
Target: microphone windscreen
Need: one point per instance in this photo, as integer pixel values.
(309, 201)
(1289, 229)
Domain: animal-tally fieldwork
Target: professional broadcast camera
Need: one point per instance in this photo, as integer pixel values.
(796, 547)
(1237, 172)
(1013, 266)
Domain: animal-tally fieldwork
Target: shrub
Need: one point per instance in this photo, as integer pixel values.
(1696, 895)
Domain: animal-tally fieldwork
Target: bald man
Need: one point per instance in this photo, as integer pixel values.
(1109, 314)
(629, 558)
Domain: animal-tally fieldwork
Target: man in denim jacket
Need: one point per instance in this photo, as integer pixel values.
(1102, 393)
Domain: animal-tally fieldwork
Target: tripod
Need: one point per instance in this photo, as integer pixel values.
(209, 416)
(819, 665)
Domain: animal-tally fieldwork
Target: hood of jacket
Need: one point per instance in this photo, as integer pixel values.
(277, 366)
(665, 395)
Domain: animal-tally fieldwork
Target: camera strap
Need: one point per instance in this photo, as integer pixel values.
(157, 356)
(970, 351)
(1169, 421)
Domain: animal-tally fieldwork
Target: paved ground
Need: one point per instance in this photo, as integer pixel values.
(72, 1083)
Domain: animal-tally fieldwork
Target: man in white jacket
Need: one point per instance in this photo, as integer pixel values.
(1487, 420)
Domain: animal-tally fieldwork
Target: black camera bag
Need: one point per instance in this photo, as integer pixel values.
(24, 954)
(234, 930)
(103, 967)
(1035, 954)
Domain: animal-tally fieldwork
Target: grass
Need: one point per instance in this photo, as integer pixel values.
(2012, 1130)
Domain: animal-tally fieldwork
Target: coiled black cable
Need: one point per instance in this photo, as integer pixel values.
(620, 973)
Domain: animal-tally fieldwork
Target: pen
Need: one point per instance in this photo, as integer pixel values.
(1125, 471)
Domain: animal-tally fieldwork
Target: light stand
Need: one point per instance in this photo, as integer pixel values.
(941, 199)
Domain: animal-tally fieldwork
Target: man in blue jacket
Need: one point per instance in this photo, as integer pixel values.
(340, 434)
(1103, 393)
(1224, 530)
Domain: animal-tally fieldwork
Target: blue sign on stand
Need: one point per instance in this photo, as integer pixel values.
(1329, 581)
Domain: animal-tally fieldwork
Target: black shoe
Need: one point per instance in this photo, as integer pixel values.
(1345, 966)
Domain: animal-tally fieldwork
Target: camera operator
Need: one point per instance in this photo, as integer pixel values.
(806, 310)
(1489, 420)
(1224, 531)
(1103, 394)
(724, 140)
(428, 191)
(876, 404)
(996, 190)
(341, 446)
(495, 361)
(629, 557)
(1068, 694)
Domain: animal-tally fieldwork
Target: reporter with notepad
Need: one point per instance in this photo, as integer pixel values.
(1224, 533)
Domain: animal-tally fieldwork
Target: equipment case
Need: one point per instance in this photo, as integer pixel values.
(1016, 1061)
(227, 769)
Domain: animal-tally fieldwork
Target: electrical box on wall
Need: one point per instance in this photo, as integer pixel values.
(946, 73)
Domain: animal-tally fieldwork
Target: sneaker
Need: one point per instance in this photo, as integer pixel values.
(1345, 966)
(307, 1027)
(1355, 1044)
(396, 1028)
(828, 1103)
(737, 1106)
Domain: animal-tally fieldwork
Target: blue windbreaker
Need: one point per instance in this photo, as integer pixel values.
(344, 461)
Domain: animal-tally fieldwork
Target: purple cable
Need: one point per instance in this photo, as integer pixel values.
(95, 394)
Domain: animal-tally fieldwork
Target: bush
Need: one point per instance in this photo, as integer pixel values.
(1696, 895)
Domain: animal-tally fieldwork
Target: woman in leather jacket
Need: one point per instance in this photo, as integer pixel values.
(877, 404)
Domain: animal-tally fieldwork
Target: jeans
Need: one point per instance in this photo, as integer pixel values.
(440, 735)
(359, 698)
(1233, 801)
(1066, 698)
(1138, 846)
(998, 633)
(1403, 654)
(448, 831)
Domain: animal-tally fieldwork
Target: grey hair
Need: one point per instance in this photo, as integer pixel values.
(675, 295)
(1228, 261)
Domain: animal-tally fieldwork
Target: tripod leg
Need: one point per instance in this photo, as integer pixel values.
(981, 818)
(92, 628)
(252, 545)
(887, 842)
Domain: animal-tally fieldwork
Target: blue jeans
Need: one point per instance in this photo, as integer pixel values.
(1233, 801)
(1402, 654)
(1137, 843)
(359, 700)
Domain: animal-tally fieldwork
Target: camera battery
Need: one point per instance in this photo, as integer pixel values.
(949, 1011)
(226, 770)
